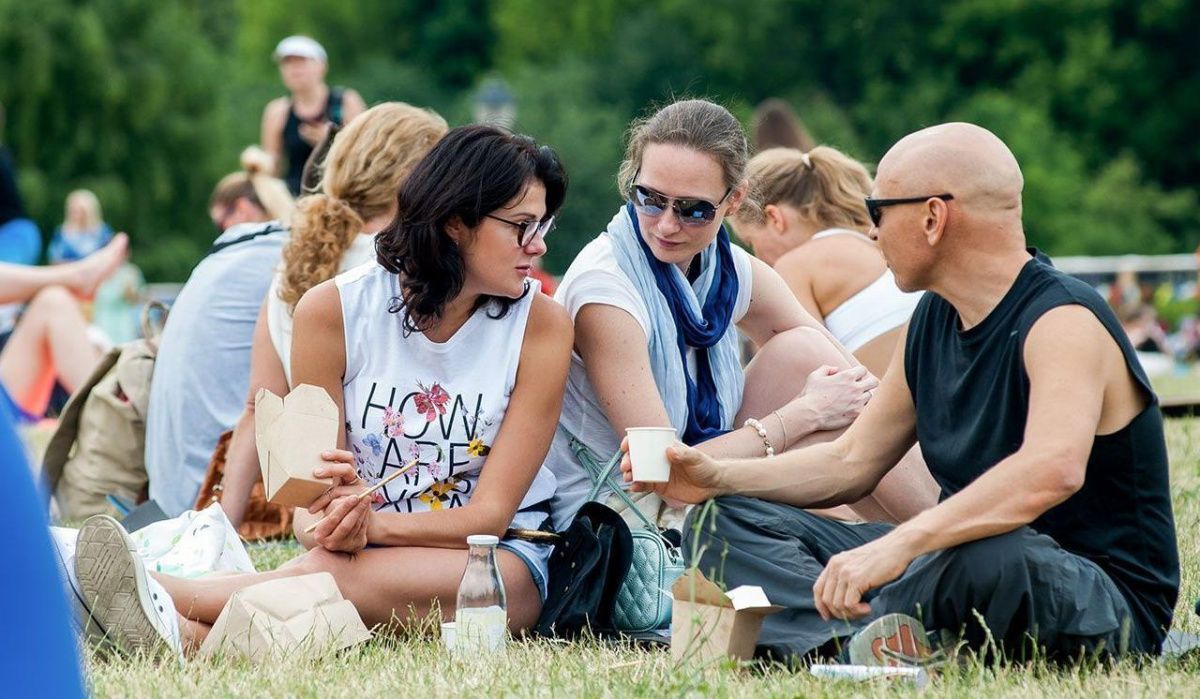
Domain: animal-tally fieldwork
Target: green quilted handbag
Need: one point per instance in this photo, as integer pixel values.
(643, 601)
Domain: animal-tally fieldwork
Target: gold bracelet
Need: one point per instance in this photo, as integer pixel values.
(783, 428)
(762, 433)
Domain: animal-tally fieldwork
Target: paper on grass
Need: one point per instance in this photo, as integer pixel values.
(303, 615)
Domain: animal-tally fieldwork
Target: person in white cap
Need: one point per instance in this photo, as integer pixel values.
(292, 126)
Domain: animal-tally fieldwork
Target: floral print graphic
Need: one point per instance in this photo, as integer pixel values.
(439, 493)
(393, 423)
(431, 401)
(478, 448)
(450, 444)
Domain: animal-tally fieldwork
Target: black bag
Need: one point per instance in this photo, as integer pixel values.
(586, 570)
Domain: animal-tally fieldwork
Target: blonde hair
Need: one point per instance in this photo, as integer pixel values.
(824, 185)
(360, 179)
(697, 124)
(253, 184)
(90, 203)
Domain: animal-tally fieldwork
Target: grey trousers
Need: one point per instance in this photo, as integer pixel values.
(1005, 594)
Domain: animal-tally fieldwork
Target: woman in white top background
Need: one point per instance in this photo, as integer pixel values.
(811, 225)
(658, 301)
(332, 231)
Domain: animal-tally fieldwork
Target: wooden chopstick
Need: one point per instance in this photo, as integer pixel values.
(407, 467)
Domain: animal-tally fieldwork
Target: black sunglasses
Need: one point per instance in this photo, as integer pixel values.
(875, 206)
(528, 229)
(691, 212)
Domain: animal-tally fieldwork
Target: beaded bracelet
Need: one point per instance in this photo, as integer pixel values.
(762, 433)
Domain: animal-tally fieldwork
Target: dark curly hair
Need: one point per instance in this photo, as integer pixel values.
(471, 172)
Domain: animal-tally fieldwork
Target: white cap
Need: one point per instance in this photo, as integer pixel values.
(302, 47)
(483, 540)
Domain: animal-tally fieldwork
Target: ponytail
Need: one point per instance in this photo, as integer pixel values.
(322, 230)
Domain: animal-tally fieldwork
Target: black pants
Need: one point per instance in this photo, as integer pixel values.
(1006, 593)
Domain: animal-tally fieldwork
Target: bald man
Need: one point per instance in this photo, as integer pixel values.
(1054, 527)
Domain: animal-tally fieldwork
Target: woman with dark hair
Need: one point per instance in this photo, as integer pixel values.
(397, 345)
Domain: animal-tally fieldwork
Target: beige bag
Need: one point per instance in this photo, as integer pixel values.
(286, 617)
(98, 448)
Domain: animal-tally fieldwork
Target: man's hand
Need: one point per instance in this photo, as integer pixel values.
(695, 476)
(849, 575)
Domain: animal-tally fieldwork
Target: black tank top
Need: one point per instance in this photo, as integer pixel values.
(295, 147)
(971, 394)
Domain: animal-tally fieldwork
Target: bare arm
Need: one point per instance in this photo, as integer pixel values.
(837, 472)
(613, 348)
(242, 469)
(271, 137)
(1069, 357)
(319, 358)
(519, 450)
(352, 105)
(794, 272)
(774, 309)
(1072, 363)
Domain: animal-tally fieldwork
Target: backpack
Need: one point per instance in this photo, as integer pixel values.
(98, 448)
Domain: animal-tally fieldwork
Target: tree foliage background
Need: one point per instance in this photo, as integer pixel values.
(149, 102)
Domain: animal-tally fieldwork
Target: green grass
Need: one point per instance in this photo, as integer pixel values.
(416, 667)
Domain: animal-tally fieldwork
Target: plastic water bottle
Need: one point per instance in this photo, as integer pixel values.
(481, 619)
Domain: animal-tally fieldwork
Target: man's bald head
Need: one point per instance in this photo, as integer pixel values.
(963, 159)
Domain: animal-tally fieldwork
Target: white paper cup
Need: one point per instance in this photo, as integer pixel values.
(449, 631)
(648, 453)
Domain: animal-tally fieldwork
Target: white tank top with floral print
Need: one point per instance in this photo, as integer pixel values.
(440, 403)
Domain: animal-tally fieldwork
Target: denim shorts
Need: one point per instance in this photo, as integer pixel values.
(536, 558)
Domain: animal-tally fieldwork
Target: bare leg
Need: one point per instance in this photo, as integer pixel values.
(51, 334)
(383, 583)
(19, 283)
(777, 374)
(192, 633)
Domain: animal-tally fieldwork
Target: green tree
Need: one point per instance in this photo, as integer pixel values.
(106, 95)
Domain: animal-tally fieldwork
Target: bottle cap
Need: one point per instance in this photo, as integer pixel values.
(482, 540)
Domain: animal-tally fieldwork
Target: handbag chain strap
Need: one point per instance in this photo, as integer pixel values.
(602, 477)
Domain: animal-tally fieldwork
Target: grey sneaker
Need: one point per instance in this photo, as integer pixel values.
(134, 611)
(896, 640)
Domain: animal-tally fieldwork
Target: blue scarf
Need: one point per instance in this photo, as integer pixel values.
(686, 315)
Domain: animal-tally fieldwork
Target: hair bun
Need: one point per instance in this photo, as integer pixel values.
(256, 161)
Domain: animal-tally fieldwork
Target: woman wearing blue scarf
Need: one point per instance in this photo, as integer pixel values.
(658, 300)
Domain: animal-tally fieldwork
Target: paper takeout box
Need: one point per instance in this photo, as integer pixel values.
(291, 433)
(708, 624)
(303, 615)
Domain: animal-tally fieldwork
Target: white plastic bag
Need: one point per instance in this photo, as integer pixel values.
(193, 544)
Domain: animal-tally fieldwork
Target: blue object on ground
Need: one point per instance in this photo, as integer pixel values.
(45, 661)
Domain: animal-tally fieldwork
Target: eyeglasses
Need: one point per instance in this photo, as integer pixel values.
(875, 206)
(528, 229)
(691, 212)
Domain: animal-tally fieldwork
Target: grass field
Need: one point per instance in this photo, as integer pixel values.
(415, 667)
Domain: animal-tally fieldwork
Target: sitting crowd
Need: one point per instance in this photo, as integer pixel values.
(938, 430)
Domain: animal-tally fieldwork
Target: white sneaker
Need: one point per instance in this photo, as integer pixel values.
(82, 621)
(895, 640)
(130, 608)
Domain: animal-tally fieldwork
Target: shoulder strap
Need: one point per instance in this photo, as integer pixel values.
(218, 247)
(59, 448)
(831, 232)
(602, 477)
